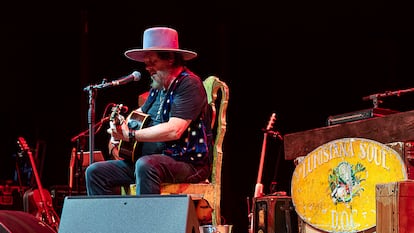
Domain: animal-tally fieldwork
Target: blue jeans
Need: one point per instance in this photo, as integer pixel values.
(103, 177)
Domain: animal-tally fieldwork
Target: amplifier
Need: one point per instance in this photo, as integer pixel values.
(359, 115)
(274, 214)
(11, 196)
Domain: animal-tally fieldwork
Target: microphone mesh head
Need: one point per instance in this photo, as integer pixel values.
(137, 75)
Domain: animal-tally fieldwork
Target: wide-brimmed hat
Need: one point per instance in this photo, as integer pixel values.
(159, 39)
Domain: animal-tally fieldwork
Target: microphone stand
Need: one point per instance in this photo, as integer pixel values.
(92, 91)
(91, 120)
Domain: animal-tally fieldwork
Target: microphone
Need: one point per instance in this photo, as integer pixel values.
(369, 97)
(134, 76)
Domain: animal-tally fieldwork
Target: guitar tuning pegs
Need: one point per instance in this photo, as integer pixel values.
(120, 108)
(271, 121)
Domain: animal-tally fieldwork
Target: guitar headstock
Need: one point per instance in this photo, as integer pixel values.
(115, 114)
(23, 144)
(271, 122)
(269, 128)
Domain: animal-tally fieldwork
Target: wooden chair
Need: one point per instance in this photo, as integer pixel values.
(210, 190)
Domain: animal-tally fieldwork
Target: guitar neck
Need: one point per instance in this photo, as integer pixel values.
(259, 187)
(23, 145)
(36, 175)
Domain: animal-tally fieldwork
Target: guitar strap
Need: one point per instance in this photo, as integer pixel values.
(167, 104)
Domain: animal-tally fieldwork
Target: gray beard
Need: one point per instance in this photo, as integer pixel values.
(155, 84)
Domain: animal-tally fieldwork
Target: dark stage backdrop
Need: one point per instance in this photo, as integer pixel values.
(304, 61)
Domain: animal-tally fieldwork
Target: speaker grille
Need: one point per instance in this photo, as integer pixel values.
(144, 213)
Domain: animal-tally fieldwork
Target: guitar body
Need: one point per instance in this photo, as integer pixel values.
(130, 150)
(34, 205)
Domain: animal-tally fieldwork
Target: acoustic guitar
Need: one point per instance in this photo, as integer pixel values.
(258, 190)
(40, 197)
(136, 120)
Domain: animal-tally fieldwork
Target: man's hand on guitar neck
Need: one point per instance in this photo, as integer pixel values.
(119, 132)
(113, 127)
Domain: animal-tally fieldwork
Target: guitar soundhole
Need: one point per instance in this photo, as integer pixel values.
(133, 124)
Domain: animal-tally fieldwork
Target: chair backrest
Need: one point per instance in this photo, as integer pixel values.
(218, 96)
(217, 90)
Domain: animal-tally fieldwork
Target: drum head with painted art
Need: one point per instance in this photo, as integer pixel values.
(333, 188)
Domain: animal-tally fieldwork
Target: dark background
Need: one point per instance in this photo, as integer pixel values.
(305, 61)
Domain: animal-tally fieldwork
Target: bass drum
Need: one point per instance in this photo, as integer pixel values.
(21, 222)
(334, 186)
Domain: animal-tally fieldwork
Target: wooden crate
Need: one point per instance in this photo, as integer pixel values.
(395, 207)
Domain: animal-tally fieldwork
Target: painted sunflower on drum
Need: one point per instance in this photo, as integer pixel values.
(344, 182)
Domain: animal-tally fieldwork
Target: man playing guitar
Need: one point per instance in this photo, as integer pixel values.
(176, 140)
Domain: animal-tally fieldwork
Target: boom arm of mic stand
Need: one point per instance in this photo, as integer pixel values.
(375, 97)
(83, 133)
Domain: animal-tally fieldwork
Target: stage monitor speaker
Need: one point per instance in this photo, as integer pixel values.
(14, 221)
(138, 214)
